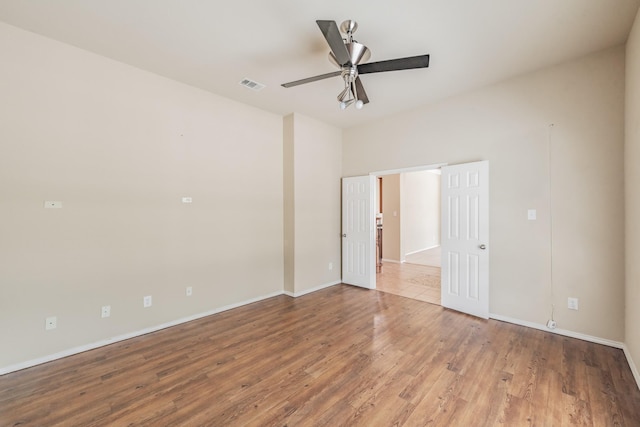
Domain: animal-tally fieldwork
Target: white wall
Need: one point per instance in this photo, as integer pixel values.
(508, 124)
(632, 186)
(420, 200)
(120, 147)
(313, 155)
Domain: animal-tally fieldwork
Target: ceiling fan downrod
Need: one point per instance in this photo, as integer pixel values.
(349, 27)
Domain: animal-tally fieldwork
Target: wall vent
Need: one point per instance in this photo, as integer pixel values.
(253, 85)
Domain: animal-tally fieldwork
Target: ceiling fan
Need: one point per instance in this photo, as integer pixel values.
(348, 55)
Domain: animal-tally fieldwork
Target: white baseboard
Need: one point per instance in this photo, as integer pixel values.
(393, 261)
(308, 291)
(102, 343)
(420, 250)
(564, 332)
(632, 365)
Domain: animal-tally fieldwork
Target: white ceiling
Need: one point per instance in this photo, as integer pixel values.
(213, 44)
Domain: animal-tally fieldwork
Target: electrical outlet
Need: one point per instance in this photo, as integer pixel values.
(51, 323)
(146, 301)
(189, 291)
(106, 311)
(330, 266)
(572, 303)
(551, 324)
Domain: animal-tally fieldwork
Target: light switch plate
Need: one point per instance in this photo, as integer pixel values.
(532, 214)
(51, 323)
(106, 311)
(53, 204)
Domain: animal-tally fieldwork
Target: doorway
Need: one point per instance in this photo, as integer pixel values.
(408, 205)
(464, 239)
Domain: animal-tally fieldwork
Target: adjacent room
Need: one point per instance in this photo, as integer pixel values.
(408, 217)
(212, 214)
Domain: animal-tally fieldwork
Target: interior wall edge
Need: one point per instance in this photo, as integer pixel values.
(632, 365)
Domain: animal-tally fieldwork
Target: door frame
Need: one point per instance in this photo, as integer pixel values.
(411, 169)
(433, 166)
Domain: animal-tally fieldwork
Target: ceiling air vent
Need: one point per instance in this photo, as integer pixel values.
(252, 85)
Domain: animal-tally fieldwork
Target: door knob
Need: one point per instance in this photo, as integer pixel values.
(483, 247)
(344, 235)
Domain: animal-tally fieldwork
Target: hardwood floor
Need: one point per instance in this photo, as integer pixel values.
(340, 356)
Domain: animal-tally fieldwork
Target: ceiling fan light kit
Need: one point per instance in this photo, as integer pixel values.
(349, 55)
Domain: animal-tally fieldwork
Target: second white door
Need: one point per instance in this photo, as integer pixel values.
(465, 238)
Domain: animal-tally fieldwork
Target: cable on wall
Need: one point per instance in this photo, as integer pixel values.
(551, 323)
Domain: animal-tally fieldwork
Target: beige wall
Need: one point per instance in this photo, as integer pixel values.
(120, 147)
(391, 222)
(420, 201)
(508, 124)
(632, 186)
(313, 155)
(289, 204)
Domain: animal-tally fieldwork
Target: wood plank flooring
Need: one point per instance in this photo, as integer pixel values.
(342, 356)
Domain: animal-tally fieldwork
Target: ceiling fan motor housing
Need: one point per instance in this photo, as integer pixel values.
(357, 53)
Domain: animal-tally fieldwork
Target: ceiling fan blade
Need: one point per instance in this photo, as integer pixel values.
(421, 61)
(362, 95)
(334, 39)
(311, 79)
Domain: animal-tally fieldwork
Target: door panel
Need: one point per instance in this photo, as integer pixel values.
(358, 257)
(465, 238)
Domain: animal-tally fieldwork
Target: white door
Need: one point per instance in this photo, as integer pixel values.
(358, 225)
(465, 238)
